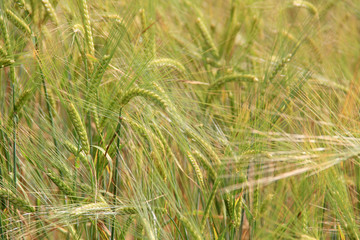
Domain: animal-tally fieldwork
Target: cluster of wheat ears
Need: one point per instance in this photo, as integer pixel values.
(179, 119)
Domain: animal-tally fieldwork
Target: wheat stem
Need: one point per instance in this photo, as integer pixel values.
(209, 204)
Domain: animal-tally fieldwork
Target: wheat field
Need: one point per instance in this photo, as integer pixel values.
(179, 119)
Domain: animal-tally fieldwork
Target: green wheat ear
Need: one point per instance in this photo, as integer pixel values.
(135, 92)
(61, 184)
(18, 22)
(280, 66)
(50, 10)
(79, 127)
(74, 150)
(229, 204)
(6, 62)
(15, 200)
(205, 163)
(3, 52)
(207, 37)
(232, 78)
(238, 78)
(20, 3)
(5, 34)
(194, 232)
(98, 73)
(197, 169)
(167, 62)
(307, 5)
(87, 26)
(19, 104)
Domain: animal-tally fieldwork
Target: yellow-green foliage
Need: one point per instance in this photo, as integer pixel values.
(179, 119)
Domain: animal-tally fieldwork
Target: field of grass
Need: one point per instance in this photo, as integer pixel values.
(179, 119)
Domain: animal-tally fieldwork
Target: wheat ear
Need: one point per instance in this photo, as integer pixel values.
(15, 200)
(205, 163)
(238, 212)
(280, 66)
(98, 73)
(18, 22)
(125, 227)
(79, 127)
(232, 78)
(307, 5)
(145, 94)
(19, 104)
(229, 204)
(207, 147)
(196, 167)
(50, 10)
(61, 184)
(83, 159)
(87, 26)
(191, 228)
(3, 52)
(5, 34)
(6, 62)
(207, 37)
(167, 62)
(158, 166)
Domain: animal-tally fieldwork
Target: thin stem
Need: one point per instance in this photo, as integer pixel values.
(115, 176)
(14, 136)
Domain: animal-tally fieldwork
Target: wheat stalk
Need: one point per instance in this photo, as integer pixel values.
(209, 204)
